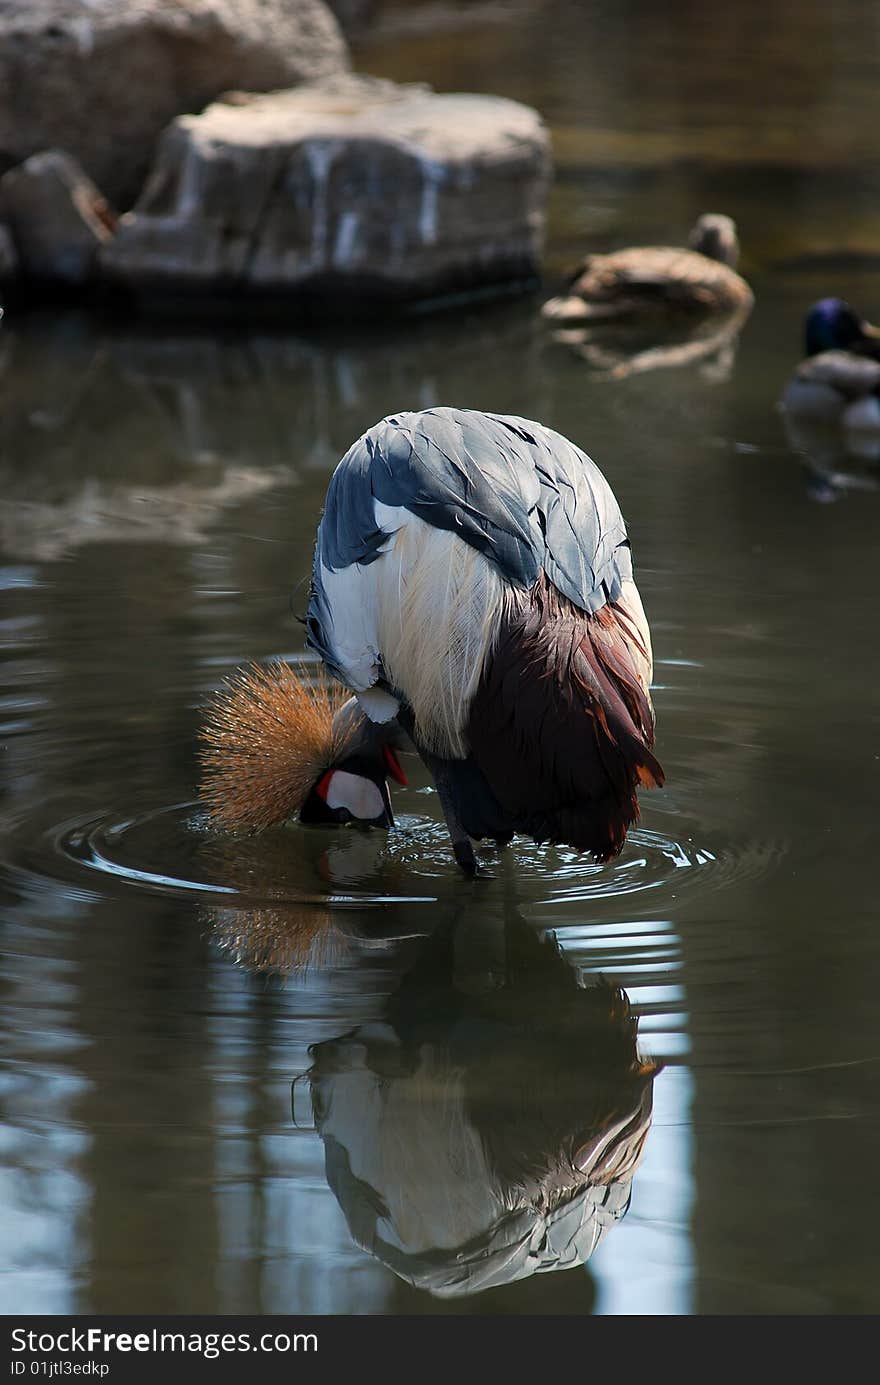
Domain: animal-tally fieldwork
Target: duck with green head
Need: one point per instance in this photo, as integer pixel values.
(839, 381)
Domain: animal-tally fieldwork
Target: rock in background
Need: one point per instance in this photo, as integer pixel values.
(102, 78)
(354, 16)
(354, 186)
(55, 217)
(8, 255)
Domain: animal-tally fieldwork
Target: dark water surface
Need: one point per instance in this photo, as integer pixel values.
(163, 987)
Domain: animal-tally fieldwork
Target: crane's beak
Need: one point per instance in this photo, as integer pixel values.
(387, 818)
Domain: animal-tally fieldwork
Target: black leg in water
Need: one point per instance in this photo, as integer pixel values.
(462, 847)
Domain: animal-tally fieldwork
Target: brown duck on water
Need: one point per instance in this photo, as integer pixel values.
(658, 278)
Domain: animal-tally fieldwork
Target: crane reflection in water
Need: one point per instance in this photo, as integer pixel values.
(487, 1124)
(488, 1127)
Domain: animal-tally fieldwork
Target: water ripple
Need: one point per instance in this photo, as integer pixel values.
(170, 851)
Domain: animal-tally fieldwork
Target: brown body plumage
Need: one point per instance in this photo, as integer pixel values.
(267, 737)
(562, 726)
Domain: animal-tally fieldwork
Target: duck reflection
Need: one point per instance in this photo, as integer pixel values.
(617, 351)
(489, 1125)
(835, 462)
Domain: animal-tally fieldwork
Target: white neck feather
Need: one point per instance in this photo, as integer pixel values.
(439, 605)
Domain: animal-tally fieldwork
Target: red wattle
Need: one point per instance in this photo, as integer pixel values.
(322, 788)
(394, 766)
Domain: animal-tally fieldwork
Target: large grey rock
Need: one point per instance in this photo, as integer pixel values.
(354, 16)
(355, 186)
(57, 217)
(102, 78)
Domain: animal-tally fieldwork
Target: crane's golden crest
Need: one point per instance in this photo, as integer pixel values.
(267, 737)
(280, 938)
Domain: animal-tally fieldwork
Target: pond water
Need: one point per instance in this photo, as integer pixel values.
(165, 988)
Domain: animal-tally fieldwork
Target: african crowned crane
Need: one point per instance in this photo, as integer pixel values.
(472, 585)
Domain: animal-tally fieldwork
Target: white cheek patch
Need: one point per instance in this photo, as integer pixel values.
(359, 795)
(378, 704)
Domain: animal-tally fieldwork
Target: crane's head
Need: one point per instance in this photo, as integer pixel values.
(355, 786)
(277, 745)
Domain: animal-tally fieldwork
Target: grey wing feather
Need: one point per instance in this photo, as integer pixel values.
(520, 493)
